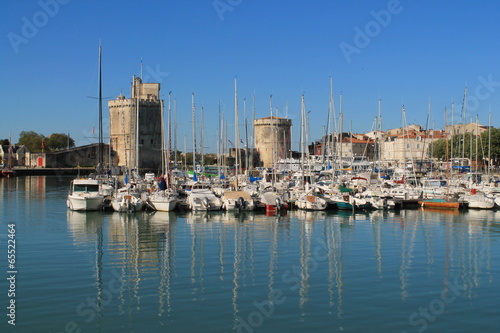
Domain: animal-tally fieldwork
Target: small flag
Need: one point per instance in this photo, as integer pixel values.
(93, 130)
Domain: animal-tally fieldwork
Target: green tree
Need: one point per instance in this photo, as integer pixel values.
(491, 149)
(59, 141)
(32, 140)
(439, 149)
(210, 159)
(464, 146)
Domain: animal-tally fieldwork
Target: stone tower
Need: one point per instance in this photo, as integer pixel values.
(272, 139)
(135, 127)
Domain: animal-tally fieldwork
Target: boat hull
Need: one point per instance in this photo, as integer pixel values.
(481, 205)
(84, 203)
(8, 173)
(439, 204)
(164, 205)
(311, 203)
(127, 203)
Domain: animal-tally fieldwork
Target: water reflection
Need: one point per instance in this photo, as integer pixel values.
(231, 259)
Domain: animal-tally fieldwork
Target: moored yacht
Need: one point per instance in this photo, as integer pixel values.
(84, 195)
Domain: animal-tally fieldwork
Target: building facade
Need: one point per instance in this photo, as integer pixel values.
(474, 128)
(136, 130)
(17, 154)
(272, 139)
(82, 156)
(410, 145)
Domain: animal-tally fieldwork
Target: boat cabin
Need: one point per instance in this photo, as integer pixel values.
(85, 185)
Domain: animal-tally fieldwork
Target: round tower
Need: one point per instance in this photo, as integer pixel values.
(272, 139)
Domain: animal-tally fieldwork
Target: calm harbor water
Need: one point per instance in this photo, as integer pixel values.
(407, 271)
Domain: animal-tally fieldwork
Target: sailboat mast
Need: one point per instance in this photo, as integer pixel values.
(193, 114)
(219, 145)
(202, 139)
(333, 125)
(489, 143)
(236, 132)
(379, 134)
(162, 126)
(446, 148)
(328, 148)
(175, 132)
(136, 89)
(464, 119)
(452, 134)
(302, 134)
(246, 132)
(341, 129)
(477, 137)
(253, 121)
(101, 153)
(169, 144)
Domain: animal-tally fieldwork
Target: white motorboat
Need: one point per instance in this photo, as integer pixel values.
(237, 200)
(199, 199)
(85, 195)
(273, 202)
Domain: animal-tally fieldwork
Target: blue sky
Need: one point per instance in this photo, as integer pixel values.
(403, 52)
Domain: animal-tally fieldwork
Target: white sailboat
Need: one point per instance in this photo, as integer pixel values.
(165, 199)
(478, 200)
(311, 200)
(127, 199)
(308, 198)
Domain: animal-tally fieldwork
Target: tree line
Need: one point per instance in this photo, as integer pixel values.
(468, 145)
(37, 142)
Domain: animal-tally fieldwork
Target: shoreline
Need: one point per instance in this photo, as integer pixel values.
(52, 171)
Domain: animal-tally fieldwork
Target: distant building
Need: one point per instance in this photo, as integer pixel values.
(18, 154)
(253, 158)
(272, 139)
(83, 156)
(409, 144)
(474, 128)
(401, 130)
(355, 145)
(135, 127)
